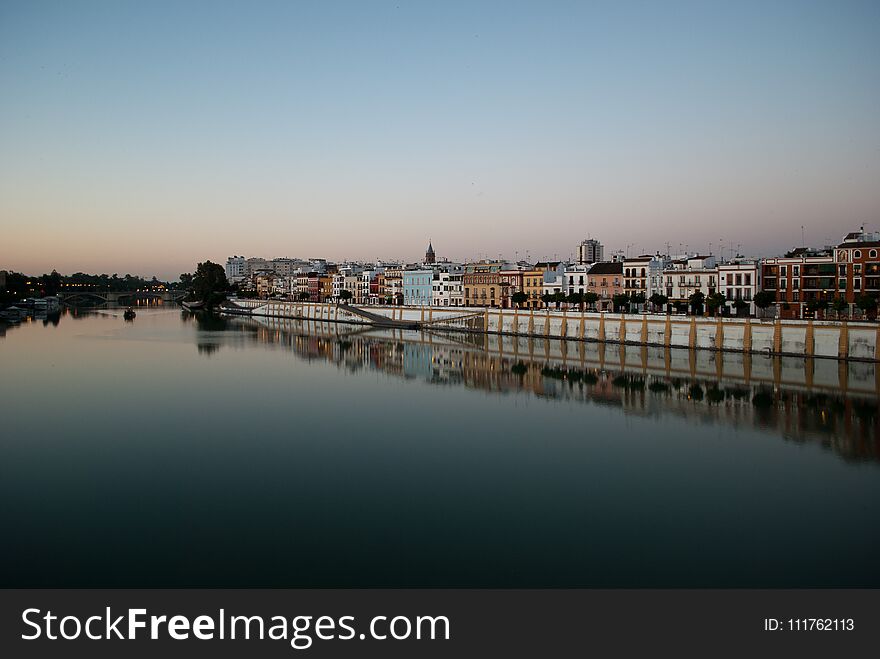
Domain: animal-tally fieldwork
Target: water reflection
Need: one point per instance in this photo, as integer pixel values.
(800, 400)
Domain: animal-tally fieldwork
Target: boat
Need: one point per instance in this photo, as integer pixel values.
(193, 306)
(129, 314)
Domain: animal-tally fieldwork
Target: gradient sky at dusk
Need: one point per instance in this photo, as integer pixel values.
(145, 136)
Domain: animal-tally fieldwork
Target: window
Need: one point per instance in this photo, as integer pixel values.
(783, 270)
(857, 253)
(795, 297)
(841, 270)
(795, 284)
(857, 268)
(796, 270)
(873, 254)
(857, 284)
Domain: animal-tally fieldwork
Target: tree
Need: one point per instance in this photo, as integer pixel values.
(714, 302)
(696, 300)
(658, 300)
(740, 306)
(186, 280)
(576, 298)
(559, 298)
(637, 298)
(519, 298)
(209, 284)
(839, 305)
(344, 295)
(547, 298)
(303, 296)
(591, 298)
(868, 304)
(619, 300)
(764, 299)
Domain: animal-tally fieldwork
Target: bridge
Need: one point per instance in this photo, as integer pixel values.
(118, 297)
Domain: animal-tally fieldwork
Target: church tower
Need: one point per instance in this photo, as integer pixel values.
(429, 255)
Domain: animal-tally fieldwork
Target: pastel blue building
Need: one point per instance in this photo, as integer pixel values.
(418, 287)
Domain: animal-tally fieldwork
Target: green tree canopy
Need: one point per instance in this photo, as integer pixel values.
(715, 301)
(209, 283)
(658, 300)
(619, 300)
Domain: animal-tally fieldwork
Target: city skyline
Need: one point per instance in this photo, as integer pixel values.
(145, 138)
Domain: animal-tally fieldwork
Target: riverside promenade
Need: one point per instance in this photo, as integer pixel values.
(841, 340)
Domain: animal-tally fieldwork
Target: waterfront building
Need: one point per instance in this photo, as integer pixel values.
(605, 279)
(236, 269)
(325, 287)
(800, 276)
(589, 251)
(418, 287)
(857, 259)
(690, 274)
(447, 285)
(553, 276)
(575, 277)
(739, 280)
(644, 275)
(368, 292)
(265, 283)
(394, 282)
(482, 284)
(533, 286)
(302, 285)
(512, 281)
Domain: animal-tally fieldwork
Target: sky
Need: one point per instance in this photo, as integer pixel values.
(144, 137)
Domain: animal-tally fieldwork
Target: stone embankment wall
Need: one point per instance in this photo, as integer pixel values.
(806, 338)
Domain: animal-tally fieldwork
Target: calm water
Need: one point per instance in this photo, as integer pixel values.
(185, 451)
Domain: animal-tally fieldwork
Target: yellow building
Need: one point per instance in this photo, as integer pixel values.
(483, 286)
(533, 286)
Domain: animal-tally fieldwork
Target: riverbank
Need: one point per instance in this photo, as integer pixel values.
(841, 340)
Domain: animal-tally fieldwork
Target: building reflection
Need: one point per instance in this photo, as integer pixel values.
(800, 400)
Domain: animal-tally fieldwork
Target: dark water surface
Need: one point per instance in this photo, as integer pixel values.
(185, 451)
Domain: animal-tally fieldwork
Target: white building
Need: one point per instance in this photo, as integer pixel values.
(688, 275)
(644, 275)
(739, 280)
(447, 288)
(590, 251)
(574, 279)
(236, 269)
(554, 277)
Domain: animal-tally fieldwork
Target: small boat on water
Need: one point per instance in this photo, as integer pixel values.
(193, 306)
(129, 314)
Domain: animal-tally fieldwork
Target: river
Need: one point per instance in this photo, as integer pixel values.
(186, 450)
